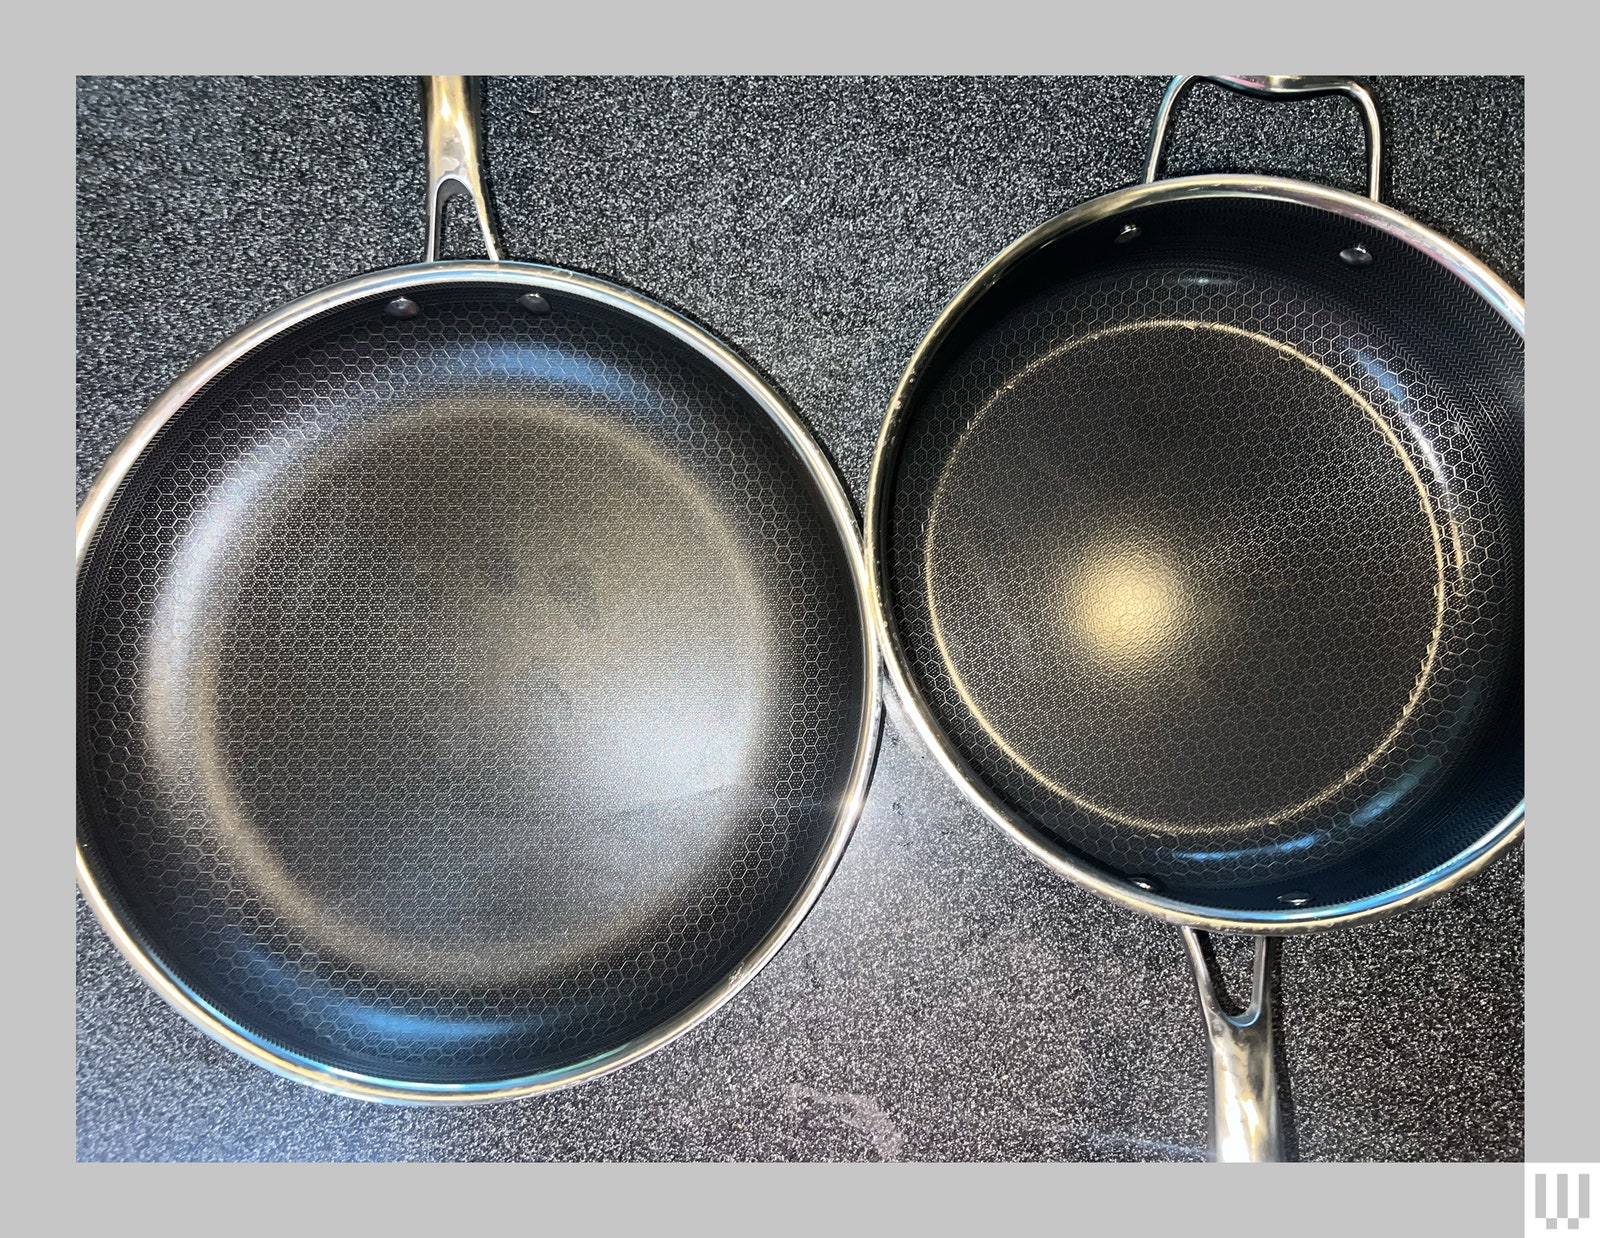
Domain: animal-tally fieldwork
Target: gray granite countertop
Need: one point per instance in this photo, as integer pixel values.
(948, 998)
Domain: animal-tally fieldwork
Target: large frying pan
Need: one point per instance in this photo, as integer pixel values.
(1195, 534)
(476, 684)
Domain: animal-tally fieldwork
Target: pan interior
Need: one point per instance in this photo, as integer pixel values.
(462, 697)
(1203, 553)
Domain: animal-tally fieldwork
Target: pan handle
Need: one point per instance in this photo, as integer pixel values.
(1244, 1077)
(1269, 87)
(450, 109)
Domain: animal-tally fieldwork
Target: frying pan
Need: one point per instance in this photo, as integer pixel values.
(476, 684)
(1195, 539)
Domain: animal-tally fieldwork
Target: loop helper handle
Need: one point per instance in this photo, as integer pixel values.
(1274, 87)
(1245, 1124)
(450, 112)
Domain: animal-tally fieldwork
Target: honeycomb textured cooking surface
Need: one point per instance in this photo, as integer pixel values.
(1210, 571)
(462, 697)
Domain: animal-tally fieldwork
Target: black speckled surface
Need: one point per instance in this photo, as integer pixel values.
(948, 999)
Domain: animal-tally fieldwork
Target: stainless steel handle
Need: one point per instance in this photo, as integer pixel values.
(1270, 87)
(1244, 1078)
(450, 108)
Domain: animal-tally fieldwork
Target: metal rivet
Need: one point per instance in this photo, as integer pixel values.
(533, 303)
(402, 307)
(1147, 883)
(1129, 231)
(1295, 899)
(1356, 255)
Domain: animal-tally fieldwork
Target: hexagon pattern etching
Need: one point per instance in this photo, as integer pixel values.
(1201, 572)
(464, 694)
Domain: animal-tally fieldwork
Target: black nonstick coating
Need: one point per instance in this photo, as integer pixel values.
(1203, 550)
(463, 696)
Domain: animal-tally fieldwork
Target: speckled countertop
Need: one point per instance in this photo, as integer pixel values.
(948, 998)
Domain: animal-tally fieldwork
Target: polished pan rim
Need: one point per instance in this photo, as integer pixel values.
(1470, 860)
(532, 277)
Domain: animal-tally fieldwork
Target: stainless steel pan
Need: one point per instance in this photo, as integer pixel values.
(475, 679)
(1195, 533)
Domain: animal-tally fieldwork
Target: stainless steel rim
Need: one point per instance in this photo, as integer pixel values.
(1486, 283)
(532, 277)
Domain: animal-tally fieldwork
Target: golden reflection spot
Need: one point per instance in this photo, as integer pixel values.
(1127, 605)
(936, 548)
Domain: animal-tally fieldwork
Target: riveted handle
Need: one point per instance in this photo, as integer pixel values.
(1274, 87)
(450, 110)
(1244, 1076)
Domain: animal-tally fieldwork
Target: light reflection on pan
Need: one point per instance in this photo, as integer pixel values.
(688, 723)
(1125, 588)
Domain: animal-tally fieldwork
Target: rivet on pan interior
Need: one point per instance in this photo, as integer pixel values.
(1356, 255)
(1295, 899)
(533, 303)
(402, 307)
(1147, 883)
(1128, 233)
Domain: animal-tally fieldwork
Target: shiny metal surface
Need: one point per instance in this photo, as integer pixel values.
(1245, 1121)
(455, 167)
(1270, 87)
(470, 702)
(1109, 212)
(1136, 492)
